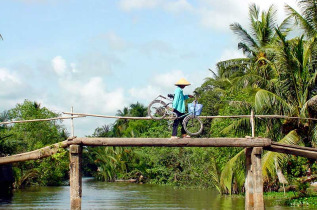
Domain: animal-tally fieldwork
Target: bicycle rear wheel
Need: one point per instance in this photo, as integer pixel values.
(193, 125)
(157, 109)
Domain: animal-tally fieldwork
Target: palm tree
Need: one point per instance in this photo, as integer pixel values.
(297, 81)
(110, 161)
(287, 87)
(121, 124)
(253, 44)
(262, 32)
(138, 110)
(307, 20)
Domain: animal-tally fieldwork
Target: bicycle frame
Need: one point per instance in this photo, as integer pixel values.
(162, 106)
(168, 108)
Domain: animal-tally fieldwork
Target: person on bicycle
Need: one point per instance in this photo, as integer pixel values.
(179, 107)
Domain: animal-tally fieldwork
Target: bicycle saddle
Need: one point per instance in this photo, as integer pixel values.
(170, 96)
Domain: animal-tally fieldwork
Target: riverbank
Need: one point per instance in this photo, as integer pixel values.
(292, 199)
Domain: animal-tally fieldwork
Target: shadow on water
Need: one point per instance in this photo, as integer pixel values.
(5, 198)
(6, 183)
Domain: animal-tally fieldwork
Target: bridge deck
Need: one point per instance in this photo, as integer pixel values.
(138, 142)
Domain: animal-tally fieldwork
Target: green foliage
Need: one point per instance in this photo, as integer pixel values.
(54, 169)
(310, 201)
(277, 77)
(34, 135)
(24, 137)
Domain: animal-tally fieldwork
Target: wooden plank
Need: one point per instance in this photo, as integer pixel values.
(75, 177)
(36, 154)
(294, 146)
(185, 142)
(293, 151)
(138, 142)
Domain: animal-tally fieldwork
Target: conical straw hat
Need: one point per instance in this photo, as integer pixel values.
(182, 82)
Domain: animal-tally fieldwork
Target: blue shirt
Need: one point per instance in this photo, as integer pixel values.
(179, 100)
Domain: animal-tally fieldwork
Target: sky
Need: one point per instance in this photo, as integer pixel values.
(100, 56)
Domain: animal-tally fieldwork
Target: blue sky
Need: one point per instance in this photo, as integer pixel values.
(99, 56)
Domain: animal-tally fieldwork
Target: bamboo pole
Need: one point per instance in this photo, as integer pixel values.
(252, 124)
(107, 116)
(39, 120)
(202, 117)
(284, 117)
(75, 177)
(148, 118)
(72, 122)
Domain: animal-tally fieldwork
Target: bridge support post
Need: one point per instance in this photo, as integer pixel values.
(248, 185)
(75, 176)
(254, 181)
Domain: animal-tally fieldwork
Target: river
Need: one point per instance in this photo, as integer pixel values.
(102, 195)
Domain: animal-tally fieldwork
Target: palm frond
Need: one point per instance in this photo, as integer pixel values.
(243, 34)
(268, 160)
(268, 102)
(238, 126)
(230, 67)
(228, 171)
(300, 20)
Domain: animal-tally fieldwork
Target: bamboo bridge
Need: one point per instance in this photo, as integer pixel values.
(254, 147)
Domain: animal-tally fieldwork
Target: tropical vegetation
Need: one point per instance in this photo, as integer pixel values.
(276, 76)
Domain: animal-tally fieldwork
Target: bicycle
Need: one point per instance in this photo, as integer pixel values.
(160, 108)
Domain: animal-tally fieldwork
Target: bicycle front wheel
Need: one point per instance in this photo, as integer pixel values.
(157, 110)
(193, 125)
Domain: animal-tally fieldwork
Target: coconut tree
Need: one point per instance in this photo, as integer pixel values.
(307, 18)
(110, 162)
(287, 78)
(253, 42)
(294, 96)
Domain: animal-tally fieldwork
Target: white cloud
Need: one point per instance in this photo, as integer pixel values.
(159, 84)
(138, 4)
(12, 88)
(231, 54)
(156, 46)
(167, 80)
(115, 42)
(6, 76)
(59, 65)
(215, 14)
(91, 95)
(95, 64)
(145, 94)
(163, 84)
(178, 6)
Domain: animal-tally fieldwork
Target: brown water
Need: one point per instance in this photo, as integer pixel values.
(102, 195)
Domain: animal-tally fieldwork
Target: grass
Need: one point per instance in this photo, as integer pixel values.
(291, 199)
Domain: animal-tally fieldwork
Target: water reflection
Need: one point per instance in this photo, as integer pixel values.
(101, 195)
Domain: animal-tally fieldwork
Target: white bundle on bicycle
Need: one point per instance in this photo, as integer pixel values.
(195, 108)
